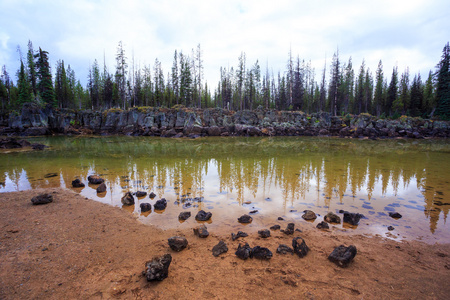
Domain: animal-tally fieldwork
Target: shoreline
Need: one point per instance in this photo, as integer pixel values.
(44, 254)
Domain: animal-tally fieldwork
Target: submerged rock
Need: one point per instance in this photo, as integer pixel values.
(390, 228)
(127, 199)
(352, 218)
(158, 268)
(342, 255)
(395, 215)
(243, 252)
(184, 215)
(261, 253)
(140, 194)
(289, 229)
(300, 247)
(322, 225)
(77, 183)
(332, 218)
(275, 227)
(238, 235)
(37, 146)
(160, 204)
(42, 199)
(203, 216)
(309, 215)
(177, 243)
(152, 195)
(101, 188)
(220, 248)
(264, 233)
(95, 179)
(145, 207)
(201, 231)
(245, 219)
(284, 249)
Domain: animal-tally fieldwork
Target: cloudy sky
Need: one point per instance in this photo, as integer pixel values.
(404, 33)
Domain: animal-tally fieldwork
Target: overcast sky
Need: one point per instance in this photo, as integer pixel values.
(404, 33)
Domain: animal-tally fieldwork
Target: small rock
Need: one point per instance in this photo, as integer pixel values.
(293, 210)
(395, 215)
(101, 188)
(77, 183)
(42, 199)
(332, 218)
(243, 252)
(160, 204)
(178, 243)
(261, 253)
(203, 216)
(289, 229)
(50, 175)
(245, 219)
(390, 228)
(184, 215)
(309, 215)
(275, 227)
(238, 235)
(300, 247)
(95, 179)
(284, 249)
(152, 195)
(220, 248)
(342, 255)
(145, 207)
(280, 219)
(141, 194)
(265, 233)
(322, 225)
(158, 268)
(201, 231)
(127, 199)
(38, 146)
(253, 211)
(352, 218)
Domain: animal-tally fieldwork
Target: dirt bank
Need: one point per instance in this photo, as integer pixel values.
(79, 248)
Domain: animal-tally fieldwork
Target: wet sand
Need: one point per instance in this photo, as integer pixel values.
(79, 248)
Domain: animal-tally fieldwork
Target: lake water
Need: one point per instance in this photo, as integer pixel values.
(277, 177)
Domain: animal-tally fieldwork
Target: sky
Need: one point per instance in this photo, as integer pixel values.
(400, 33)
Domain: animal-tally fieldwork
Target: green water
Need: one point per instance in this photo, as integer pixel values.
(279, 176)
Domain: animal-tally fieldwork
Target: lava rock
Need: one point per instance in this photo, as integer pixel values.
(158, 268)
(160, 204)
(127, 199)
(243, 252)
(289, 229)
(261, 253)
(101, 188)
(390, 228)
(245, 219)
(275, 227)
(309, 215)
(332, 218)
(42, 199)
(264, 233)
(145, 207)
(203, 216)
(141, 194)
(184, 215)
(152, 195)
(253, 211)
(284, 249)
(300, 247)
(342, 255)
(77, 183)
(322, 225)
(95, 179)
(178, 243)
(280, 219)
(395, 215)
(352, 218)
(220, 248)
(238, 235)
(201, 231)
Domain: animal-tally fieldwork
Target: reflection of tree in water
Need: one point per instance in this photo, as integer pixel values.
(296, 167)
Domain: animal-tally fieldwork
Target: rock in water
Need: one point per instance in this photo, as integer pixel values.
(332, 218)
(243, 252)
(141, 194)
(203, 216)
(101, 188)
(77, 183)
(178, 243)
(395, 215)
(352, 218)
(42, 199)
(152, 195)
(284, 249)
(127, 199)
(220, 248)
(95, 179)
(300, 247)
(160, 204)
(158, 268)
(238, 235)
(323, 225)
(309, 215)
(342, 255)
(289, 229)
(265, 233)
(245, 219)
(184, 215)
(390, 228)
(261, 253)
(145, 207)
(201, 231)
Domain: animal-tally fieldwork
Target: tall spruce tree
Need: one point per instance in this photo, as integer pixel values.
(443, 85)
(45, 84)
(24, 87)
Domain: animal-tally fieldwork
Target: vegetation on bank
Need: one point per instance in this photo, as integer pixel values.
(245, 87)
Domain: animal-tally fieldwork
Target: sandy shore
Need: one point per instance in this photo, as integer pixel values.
(79, 248)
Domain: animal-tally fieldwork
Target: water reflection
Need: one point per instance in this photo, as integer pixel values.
(372, 177)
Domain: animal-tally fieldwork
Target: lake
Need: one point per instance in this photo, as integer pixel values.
(270, 177)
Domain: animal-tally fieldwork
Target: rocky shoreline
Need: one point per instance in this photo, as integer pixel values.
(191, 122)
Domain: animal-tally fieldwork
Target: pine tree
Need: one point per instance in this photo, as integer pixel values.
(121, 73)
(379, 93)
(32, 76)
(392, 92)
(443, 85)
(429, 99)
(335, 83)
(45, 84)
(416, 97)
(24, 87)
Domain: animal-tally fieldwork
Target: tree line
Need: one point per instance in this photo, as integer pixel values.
(340, 90)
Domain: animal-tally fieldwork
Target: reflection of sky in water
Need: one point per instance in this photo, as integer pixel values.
(279, 176)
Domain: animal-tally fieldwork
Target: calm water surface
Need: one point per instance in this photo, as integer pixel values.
(276, 177)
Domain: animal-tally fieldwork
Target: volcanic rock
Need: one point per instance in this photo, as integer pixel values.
(264, 233)
(342, 255)
(220, 248)
(395, 215)
(178, 243)
(203, 216)
(309, 215)
(332, 218)
(284, 249)
(158, 268)
(145, 207)
(245, 219)
(261, 253)
(243, 252)
(42, 199)
(160, 204)
(101, 188)
(201, 231)
(77, 183)
(322, 225)
(127, 199)
(95, 179)
(238, 235)
(352, 218)
(184, 215)
(300, 247)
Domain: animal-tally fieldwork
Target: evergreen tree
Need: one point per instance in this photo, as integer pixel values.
(45, 84)
(335, 83)
(429, 99)
(24, 87)
(175, 79)
(392, 92)
(443, 85)
(121, 73)
(416, 97)
(359, 90)
(379, 93)
(402, 101)
(32, 76)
